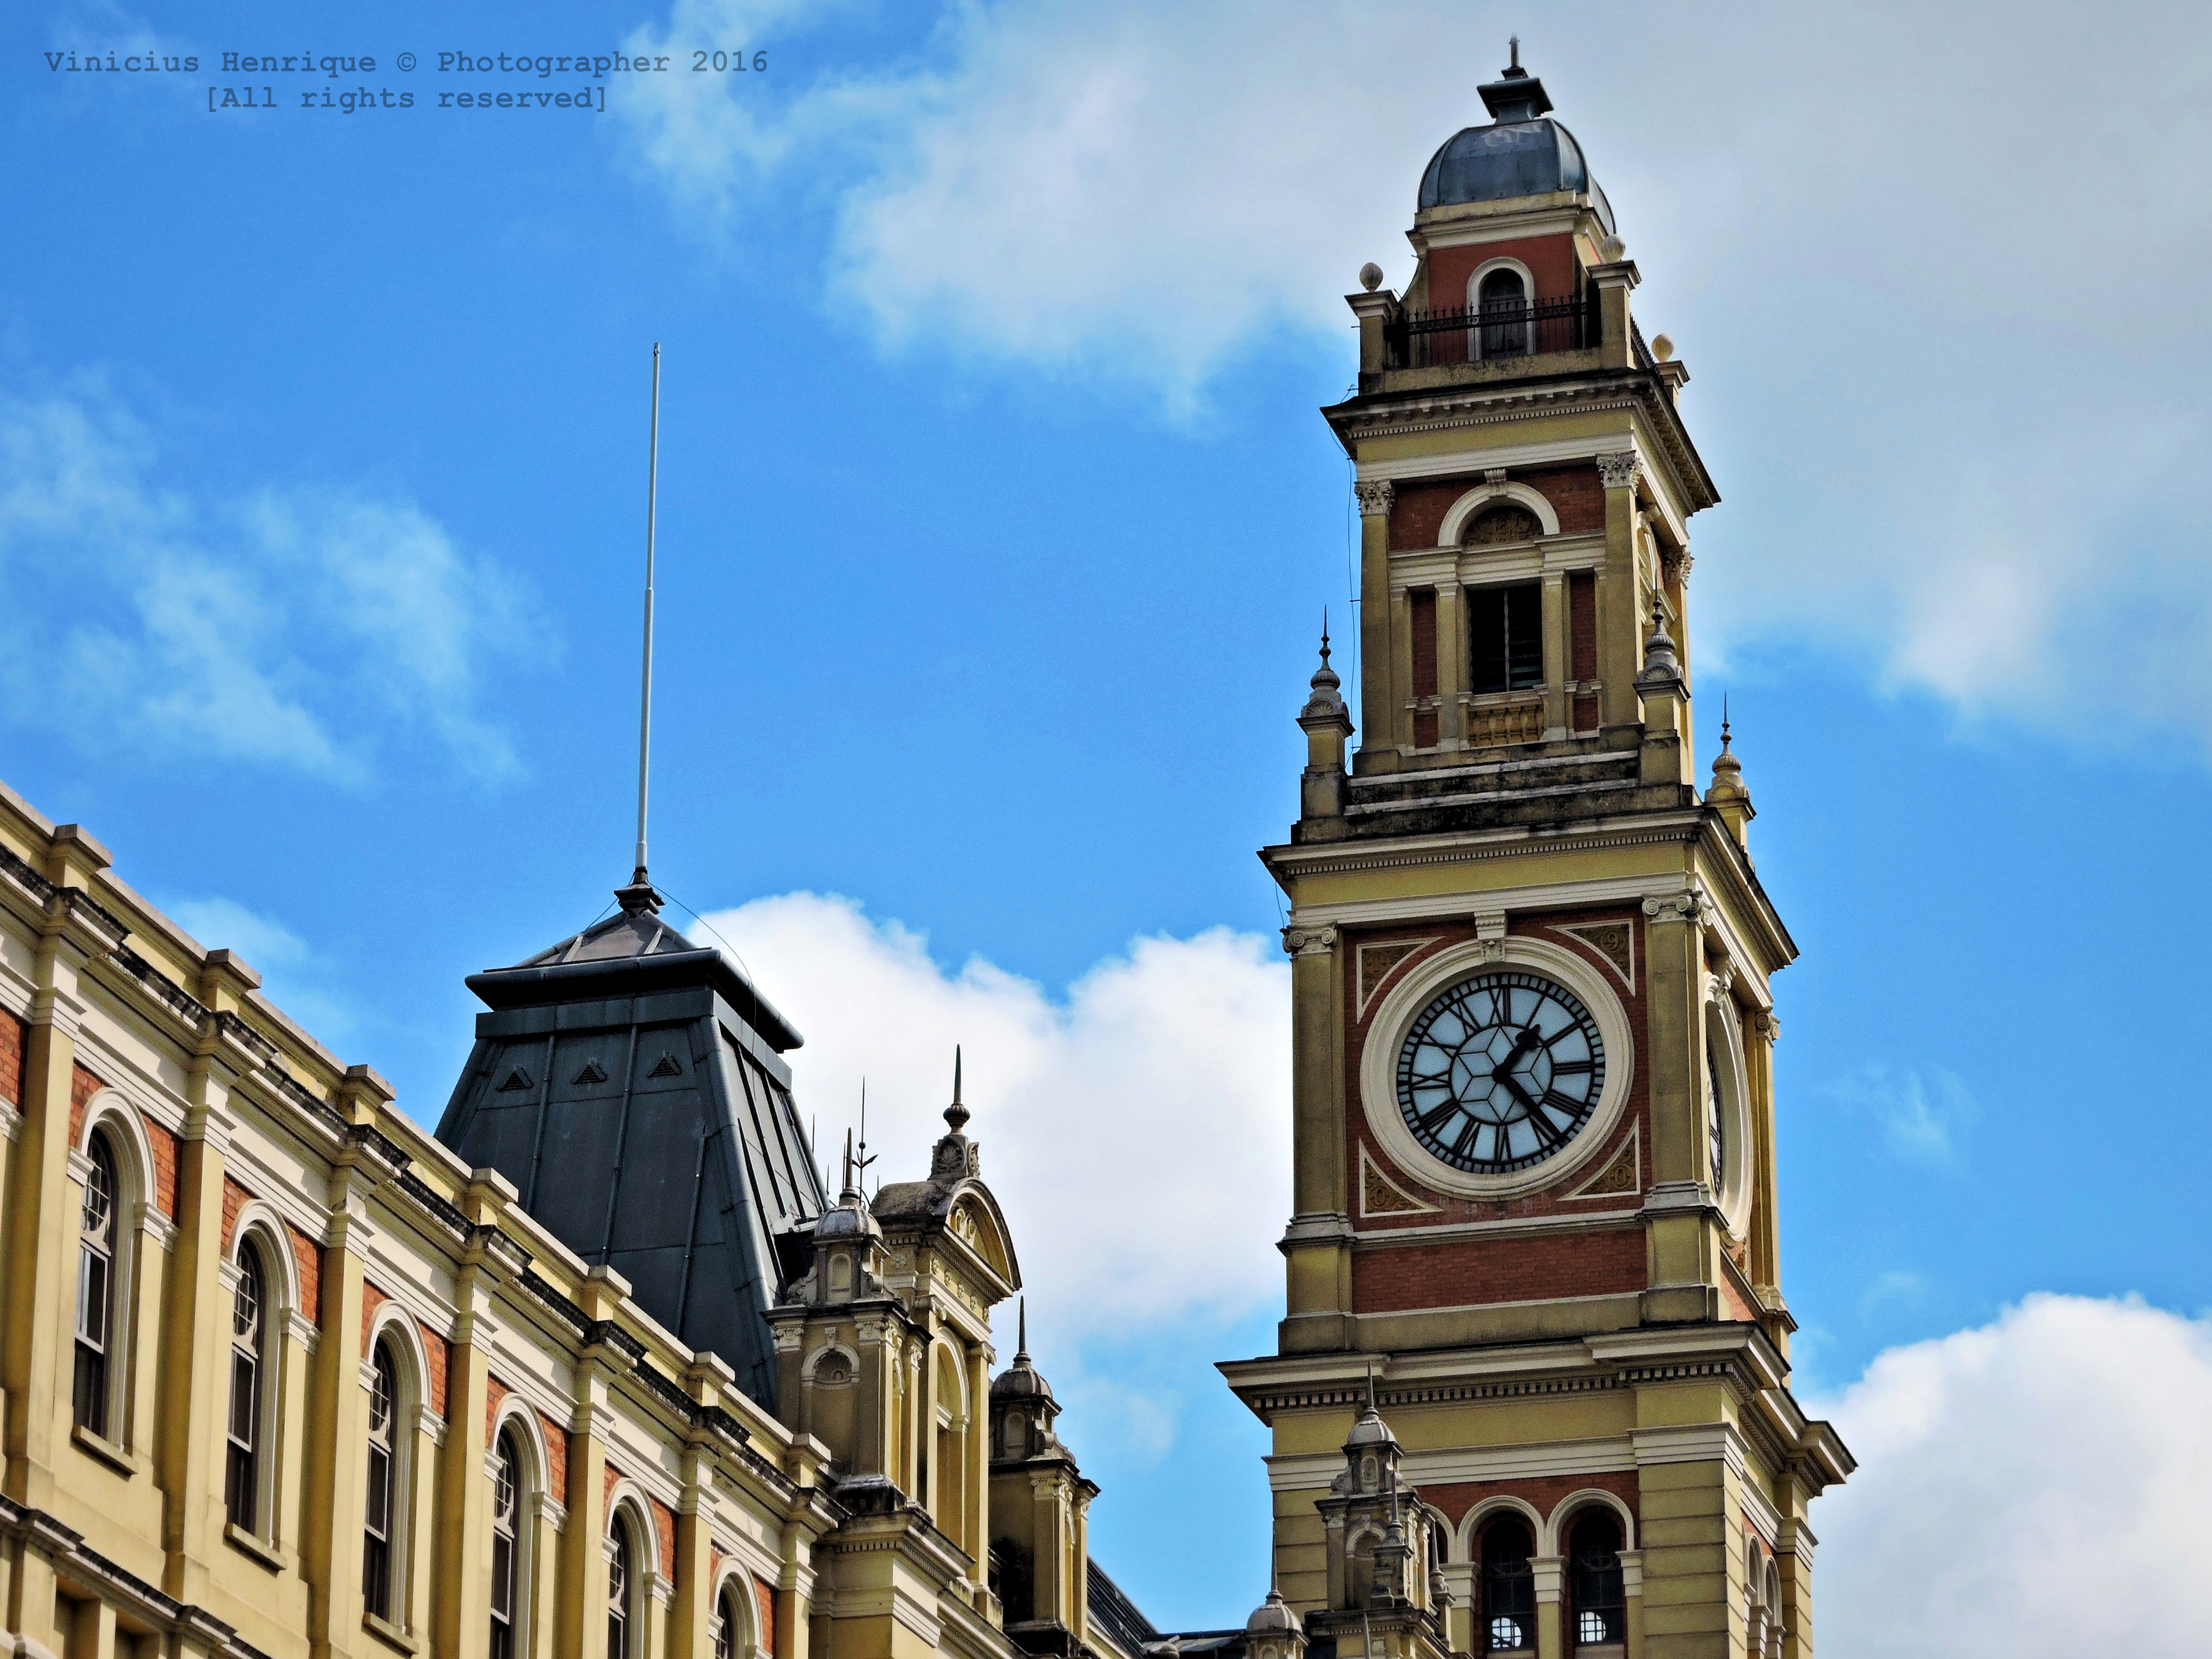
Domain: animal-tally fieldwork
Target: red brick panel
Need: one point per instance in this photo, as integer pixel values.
(1469, 1272)
(1581, 625)
(664, 1520)
(309, 1256)
(767, 1599)
(1551, 261)
(1577, 494)
(557, 1458)
(494, 1391)
(15, 1050)
(371, 1300)
(164, 1166)
(83, 1086)
(234, 1198)
(439, 1352)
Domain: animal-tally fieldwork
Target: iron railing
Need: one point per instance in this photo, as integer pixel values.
(1464, 334)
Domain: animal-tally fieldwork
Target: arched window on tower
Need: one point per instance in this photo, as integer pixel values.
(1508, 1586)
(249, 1319)
(1502, 304)
(505, 1536)
(725, 1626)
(381, 1510)
(618, 1590)
(1599, 1609)
(95, 1291)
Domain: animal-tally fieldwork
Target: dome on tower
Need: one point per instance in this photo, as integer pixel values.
(1522, 152)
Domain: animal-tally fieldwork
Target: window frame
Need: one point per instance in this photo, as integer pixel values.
(249, 1354)
(1478, 341)
(1601, 1601)
(94, 1365)
(382, 1590)
(1474, 594)
(622, 1586)
(512, 1622)
(1487, 1577)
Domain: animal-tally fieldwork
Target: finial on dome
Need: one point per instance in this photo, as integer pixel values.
(1022, 1329)
(1515, 95)
(1513, 44)
(956, 1113)
(1727, 794)
(1660, 662)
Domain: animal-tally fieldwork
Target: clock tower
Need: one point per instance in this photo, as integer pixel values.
(1532, 1249)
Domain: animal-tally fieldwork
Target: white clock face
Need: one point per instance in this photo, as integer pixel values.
(1500, 1072)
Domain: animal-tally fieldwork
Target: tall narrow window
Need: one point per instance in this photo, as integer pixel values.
(241, 1476)
(95, 1291)
(1506, 638)
(1504, 302)
(505, 1518)
(619, 1592)
(726, 1632)
(1594, 1555)
(1508, 1586)
(383, 1458)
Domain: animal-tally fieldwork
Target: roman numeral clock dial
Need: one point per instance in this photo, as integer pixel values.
(1500, 1072)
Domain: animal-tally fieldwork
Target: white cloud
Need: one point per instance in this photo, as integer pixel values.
(1958, 413)
(2034, 1488)
(297, 628)
(1923, 1119)
(299, 979)
(1136, 1130)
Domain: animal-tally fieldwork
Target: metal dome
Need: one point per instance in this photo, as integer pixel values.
(1520, 153)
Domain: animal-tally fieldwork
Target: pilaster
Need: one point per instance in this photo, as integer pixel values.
(1558, 706)
(1451, 665)
(1377, 711)
(1316, 1249)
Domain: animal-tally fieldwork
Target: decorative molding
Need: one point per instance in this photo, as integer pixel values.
(1380, 1195)
(1619, 469)
(1300, 940)
(1375, 496)
(1622, 1174)
(1378, 962)
(1692, 906)
(1614, 941)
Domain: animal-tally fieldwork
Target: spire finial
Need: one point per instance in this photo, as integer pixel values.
(1514, 42)
(1022, 1340)
(1324, 636)
(639, 897)
(1725, 721)
(956, 1113)
(1371, 1410)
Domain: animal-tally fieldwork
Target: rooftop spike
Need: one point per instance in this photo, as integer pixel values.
(1022, 1340)
(639, 896)
(956, 1113)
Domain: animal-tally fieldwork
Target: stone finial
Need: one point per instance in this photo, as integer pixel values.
(1660, 665)
(1728, 796)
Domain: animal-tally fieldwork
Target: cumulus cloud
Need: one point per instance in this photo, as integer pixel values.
(1136, 1128)
(1955, 419)
(2033, 1488)
(298, 628)
(1923, 1117)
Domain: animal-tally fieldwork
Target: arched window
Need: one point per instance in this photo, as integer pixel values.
(249, 1319)
(725, 1628)
(1594, 1557)
(618, 1592)
(506, 1531)
(95, 1291)
(1502, 300)
(1508, 1586)
(381, 1510)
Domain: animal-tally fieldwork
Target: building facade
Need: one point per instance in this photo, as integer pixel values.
(602, 1370)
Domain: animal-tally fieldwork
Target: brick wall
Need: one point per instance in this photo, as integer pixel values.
(1543, 1493)
(1551, 260)
(1464, 1272)
(15, 1047)
(1576, 493)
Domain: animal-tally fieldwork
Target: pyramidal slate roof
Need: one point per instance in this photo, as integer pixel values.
(632, 1086)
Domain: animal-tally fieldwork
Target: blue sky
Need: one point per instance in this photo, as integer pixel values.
(995, 525)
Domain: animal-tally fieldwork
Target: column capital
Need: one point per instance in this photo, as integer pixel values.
(1375, 496)
(1618, 470)
(1300, 940)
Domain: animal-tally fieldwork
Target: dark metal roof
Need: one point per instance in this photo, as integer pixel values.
(632, 1086)
(1507, 159)
(1113, 1614)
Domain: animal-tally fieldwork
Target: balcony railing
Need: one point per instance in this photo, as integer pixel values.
(1473, 334)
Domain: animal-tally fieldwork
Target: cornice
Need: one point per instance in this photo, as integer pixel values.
(1445, 409)
(1469, 847)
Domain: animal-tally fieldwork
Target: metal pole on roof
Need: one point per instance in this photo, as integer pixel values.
(645, 695)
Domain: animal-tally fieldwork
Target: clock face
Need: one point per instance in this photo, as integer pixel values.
(1500, 1072)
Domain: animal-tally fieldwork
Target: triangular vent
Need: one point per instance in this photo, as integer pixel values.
(666, 1066)
(592, 1072)
(517, 1078)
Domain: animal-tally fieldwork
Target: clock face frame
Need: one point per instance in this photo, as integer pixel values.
(1391, 1017)
(1500, 1072)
